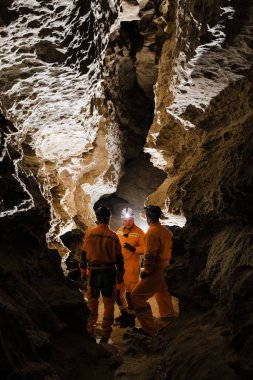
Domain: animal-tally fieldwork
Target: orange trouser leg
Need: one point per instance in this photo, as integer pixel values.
(93, 309)
(164, 301)
(139, 296)
(124, 290)
(131, 278)
(154, 284)
(129, 289)
(121, 296)
(108, 317)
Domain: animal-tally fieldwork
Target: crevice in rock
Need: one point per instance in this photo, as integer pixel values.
(7, 14)
(133, 95)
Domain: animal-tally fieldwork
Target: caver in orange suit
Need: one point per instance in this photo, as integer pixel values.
(102, 255)
(157, 255)
(134, 237)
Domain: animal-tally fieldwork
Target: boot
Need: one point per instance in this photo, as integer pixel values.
(139, 330)
(104, 339)
(129, 321)
(123, 315)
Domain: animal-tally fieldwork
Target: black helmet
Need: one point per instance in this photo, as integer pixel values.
(103, 213)
(153, 212)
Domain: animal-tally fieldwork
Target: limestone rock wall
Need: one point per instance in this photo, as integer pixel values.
(60, 151)
(36, 301)
(51, 90)
(202, 137)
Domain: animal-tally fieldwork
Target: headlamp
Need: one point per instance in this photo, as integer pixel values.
(127, 213)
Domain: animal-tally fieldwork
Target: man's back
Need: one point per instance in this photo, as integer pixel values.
(158, 242)
(101, 244)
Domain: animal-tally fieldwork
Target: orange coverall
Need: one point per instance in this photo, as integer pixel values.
(135, 237)
(157, 255)
(103, 253)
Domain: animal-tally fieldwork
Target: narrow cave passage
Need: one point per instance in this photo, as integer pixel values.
(133, 97)
(135, 107)
(140, 179)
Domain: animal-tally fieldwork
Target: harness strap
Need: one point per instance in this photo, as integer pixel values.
(101, 265)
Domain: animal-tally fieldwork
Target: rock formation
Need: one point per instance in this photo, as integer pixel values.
(202, 131)
(51, 90)
(54, 133)
(84, 86)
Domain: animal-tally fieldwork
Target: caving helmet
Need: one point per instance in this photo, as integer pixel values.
(103, 213)
(153, 212)
(127, 213)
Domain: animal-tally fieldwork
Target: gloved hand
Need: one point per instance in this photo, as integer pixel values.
(129, 247)
(120, 276)
(144, 275)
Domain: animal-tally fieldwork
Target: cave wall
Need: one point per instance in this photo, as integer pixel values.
(202, 137)
(59, 153)
(36, 300)
(51, 63)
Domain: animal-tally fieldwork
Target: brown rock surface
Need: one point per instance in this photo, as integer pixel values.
(52, 92)
(202, 129)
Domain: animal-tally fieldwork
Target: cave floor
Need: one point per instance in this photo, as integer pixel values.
(129, 356)
(133, 351)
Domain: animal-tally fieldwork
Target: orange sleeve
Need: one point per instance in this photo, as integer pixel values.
(119, 257)
(140, 247)
(152, 245)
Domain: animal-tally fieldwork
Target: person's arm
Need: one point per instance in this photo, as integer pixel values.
(119, 262)
(139, 249)
(150, 256)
